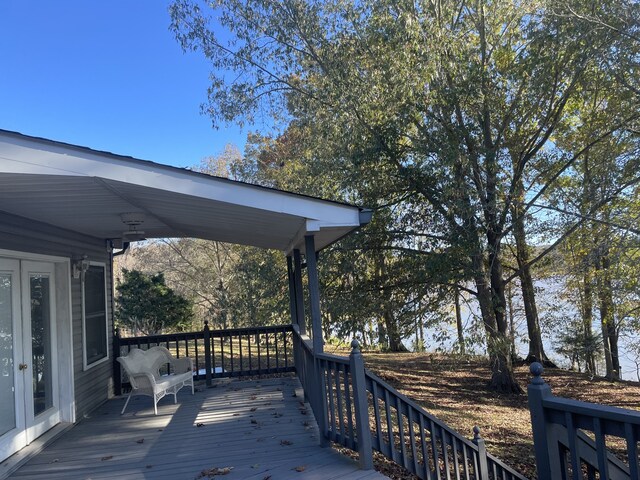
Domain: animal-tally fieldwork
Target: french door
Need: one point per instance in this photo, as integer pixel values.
(29, 404)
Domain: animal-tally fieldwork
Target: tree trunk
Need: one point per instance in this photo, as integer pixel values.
(536, 348)
(461, 346)
(587, 322)
(498, 345)
(393, 334)
(512, 328)
(607, 321)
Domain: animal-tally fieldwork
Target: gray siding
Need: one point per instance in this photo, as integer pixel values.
(94, 386)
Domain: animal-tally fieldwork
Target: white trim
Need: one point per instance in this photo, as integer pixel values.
(37, 424)
(85, 365)
(64, 319)
(36, 257)
(30, 156)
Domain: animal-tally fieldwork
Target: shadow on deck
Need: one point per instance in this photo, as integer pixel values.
(259, 428)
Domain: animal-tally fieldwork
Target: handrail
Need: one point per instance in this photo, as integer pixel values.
(357, 409)
(232, 352)
(423, 444)
(561, 446)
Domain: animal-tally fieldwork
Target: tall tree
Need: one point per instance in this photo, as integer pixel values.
(452, 101)
(145, 303)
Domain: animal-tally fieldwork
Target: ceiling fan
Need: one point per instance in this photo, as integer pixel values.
(133, 220)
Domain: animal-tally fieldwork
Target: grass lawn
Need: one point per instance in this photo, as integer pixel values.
(455, 390)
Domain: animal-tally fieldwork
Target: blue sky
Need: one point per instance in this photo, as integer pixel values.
(105, 75)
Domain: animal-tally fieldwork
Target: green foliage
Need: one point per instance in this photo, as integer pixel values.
(451, 119)
(145, 303)
(578, 345)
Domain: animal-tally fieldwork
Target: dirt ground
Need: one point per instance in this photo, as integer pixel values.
(455, 389)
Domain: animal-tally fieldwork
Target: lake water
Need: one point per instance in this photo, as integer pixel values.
(554, 313)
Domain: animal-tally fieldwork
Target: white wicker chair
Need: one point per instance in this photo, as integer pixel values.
(143, 370)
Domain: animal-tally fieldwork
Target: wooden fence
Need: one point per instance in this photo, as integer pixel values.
(570, 436)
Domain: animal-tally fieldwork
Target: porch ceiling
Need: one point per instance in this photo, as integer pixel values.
(87, 191)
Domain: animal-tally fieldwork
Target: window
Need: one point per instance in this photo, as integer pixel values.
(94, 300)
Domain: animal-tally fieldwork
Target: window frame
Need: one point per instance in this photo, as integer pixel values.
(87, 366)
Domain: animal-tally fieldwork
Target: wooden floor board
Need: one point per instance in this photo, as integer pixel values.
(259, 428)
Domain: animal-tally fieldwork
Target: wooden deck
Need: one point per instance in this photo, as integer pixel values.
(259, 428)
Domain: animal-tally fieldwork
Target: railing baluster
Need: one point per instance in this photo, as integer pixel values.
(231, 353)
(376, 413)
(601, 448)
(197, 357)
(573, 449)
(249, 348)
(259, 340)
(425, 450)
(275, 343)
(285, 339)
(632, 450)
(454, 453)
(339, 402)
(347, 399)
(387, 407)
(445, 453)
(465, 459)
(222, 359)
(412, 439)
(332, 412)
(434, 448)
(240, 349)
(213, 357)
(268, 357)
(403, 447)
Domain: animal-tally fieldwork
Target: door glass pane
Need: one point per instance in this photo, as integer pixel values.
(7, 387)
(41, 343)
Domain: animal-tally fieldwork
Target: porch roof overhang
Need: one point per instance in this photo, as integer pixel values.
(87, 191)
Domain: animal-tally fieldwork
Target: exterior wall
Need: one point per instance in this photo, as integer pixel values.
(95, 385)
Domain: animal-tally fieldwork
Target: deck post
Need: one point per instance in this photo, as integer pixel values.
(117, 373)
(483, 466)
(207, 353)
(363, 432)
(314, 293)
(297, 284)
(292, 291)
(547, 457)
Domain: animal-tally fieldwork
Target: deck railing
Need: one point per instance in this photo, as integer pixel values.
(562, 431)
(410, 436)
(233, 352)
(356, 409)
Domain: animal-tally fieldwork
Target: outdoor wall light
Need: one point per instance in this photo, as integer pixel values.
(79, 266)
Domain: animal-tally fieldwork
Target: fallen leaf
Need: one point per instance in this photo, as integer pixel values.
(301, 468)
(106, 458)
(253, 409)
(254, 421)
(212, 472)
(286, 442)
